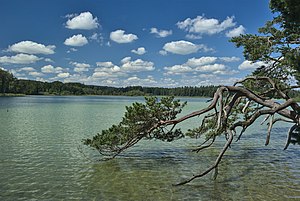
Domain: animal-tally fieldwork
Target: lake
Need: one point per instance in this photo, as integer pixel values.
(42, 157)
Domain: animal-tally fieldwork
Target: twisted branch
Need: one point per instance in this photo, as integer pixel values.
(215, 165)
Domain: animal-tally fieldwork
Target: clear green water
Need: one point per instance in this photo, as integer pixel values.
(40, 160)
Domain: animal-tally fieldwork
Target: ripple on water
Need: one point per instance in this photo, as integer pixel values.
(39, 159)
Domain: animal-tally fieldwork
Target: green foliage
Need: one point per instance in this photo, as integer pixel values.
(207, 128)
(141, 120)
(6, 80)
(277, 43)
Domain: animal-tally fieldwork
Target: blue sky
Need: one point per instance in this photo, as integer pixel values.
(166, 43)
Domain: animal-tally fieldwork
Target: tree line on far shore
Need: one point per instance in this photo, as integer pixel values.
(11, 85)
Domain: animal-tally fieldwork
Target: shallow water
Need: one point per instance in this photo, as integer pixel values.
(41, 157)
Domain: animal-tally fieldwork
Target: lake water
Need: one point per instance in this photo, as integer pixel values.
(41, 157)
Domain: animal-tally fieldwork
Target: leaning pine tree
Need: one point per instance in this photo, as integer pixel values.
(233, 108)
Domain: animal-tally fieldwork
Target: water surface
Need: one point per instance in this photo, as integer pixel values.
(41, 159)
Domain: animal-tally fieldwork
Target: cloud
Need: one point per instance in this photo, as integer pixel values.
(249, 65)
(97, 37)
(178, 69)
(30, 47)
(76, 40)
(229, 59)
(134, 80)
(112, 69)
(211, 68)
(160, 33)
(119, 36)
(193, 36)
(80, 67)
(106, 64)
(194, 62)
(26, 69)
(49, 60)
(137, 65)
(36, 74)
(83, 21)
(63, 75)
(216, 81)
(236, 31)
(72, 50)
(163, 52)
(139, 51)
(109, 70)
(125, 60)
(20, 59)
(201, 61)
(184, 47)
(203, 25)
(225, 72)
(82, 78)
(51, 69)
(202, 65)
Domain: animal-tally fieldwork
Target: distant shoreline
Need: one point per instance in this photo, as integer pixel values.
(12, 95)
(23, 95)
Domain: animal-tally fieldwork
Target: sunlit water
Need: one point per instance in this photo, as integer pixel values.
(42, 158)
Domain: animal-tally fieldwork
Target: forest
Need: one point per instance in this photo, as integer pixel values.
(11, 85)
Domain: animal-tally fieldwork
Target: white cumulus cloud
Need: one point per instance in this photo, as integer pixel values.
(26, 69)
(76, 40)
(206, 64)
(80, 67)
(211, 68)
(119, 36)
(229, 59)
(160, 33)
(125, 60)
(178, 69)
(249, 65)
(20, 59)
(193, 62)
(203, 25)
(83, 21)
(63, 75)
(106, 64)
(236, 31)
(139, 51)
(51, 69)
(183, 47)
(36, 74)
(30, 47)
(136, 65)
(140, 81)
(109, 71)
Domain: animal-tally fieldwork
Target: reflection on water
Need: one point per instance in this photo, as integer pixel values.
(39, 160)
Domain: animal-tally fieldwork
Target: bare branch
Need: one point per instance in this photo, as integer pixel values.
(265, 119)
(269, 130)
(289, 136)
(246, 106)
(196, 113)
(214, 166)
(206, 146)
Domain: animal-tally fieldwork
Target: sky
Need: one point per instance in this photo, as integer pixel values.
(161, 43)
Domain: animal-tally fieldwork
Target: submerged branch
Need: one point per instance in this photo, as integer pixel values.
(214, 166)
